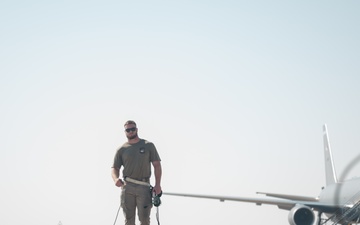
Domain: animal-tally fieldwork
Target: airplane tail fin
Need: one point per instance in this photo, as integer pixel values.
(330, 172)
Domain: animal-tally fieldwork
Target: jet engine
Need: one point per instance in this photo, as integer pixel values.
(301, 215)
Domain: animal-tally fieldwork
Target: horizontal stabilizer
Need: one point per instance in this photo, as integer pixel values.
(282, 204)
(290, 197)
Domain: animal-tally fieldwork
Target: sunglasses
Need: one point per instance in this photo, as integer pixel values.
(130, 129)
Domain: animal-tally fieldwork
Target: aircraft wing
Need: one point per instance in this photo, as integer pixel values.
(286, 204)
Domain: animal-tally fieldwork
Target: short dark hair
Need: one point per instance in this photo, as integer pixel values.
(130, 122)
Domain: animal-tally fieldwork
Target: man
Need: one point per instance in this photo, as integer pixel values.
(136, 157)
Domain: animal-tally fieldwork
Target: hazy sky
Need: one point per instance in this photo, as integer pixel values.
(233, 94)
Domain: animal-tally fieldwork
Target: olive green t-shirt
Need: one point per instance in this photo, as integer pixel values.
(136, 159)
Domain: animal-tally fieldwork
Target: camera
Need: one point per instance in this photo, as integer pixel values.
(156, 200)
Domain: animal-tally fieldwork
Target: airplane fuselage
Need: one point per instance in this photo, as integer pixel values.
(346, 195)
(343, 193)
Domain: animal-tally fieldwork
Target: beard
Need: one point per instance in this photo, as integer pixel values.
(132, 136)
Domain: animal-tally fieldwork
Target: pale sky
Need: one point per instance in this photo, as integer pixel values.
(232, 93)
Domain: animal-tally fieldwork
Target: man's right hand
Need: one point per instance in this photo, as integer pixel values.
(119, 182)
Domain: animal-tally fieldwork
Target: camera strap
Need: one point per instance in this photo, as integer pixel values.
(157, 215)
(156, 202)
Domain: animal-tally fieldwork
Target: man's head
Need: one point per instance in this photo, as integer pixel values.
(130, 129)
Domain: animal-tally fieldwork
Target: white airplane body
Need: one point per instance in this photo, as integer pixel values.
(339, 201)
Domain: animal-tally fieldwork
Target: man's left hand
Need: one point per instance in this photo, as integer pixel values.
(157, 189)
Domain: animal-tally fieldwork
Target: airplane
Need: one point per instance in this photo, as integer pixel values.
(338, 200)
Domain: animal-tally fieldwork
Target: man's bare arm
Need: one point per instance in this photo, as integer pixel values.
(115, 172)
(157, 173)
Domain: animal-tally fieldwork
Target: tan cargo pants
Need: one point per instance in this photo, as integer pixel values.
(135, 196)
